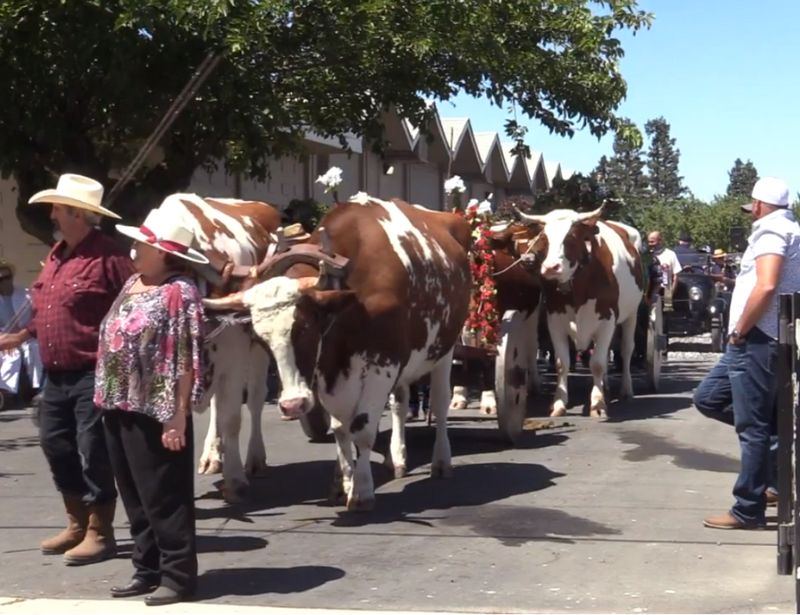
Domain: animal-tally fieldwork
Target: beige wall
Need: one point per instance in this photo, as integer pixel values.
(24, 251)
(424, 185)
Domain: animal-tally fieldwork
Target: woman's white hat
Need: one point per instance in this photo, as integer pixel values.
(76, 191)
(166, 234)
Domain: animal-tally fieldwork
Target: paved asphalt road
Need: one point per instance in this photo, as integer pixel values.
(584, 516)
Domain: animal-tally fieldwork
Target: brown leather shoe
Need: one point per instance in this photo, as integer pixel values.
(98, 544)
(726, 521)
(772, 498)
(72, 535)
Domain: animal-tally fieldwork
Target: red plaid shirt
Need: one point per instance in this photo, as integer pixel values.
(71, 297)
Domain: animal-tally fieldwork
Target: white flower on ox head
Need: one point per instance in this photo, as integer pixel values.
(485, 207)
(473, 203)
(331, 179)
(454, 184)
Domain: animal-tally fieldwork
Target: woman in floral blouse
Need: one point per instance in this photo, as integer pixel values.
(149, 374)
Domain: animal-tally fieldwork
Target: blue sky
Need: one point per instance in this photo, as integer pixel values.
(724, 74)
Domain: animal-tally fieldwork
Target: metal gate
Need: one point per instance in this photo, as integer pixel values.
(788, 369)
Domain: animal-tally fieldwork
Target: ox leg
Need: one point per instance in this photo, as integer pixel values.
(560, 341)
(364, 428)
(441, 463)
(256, 460)
(229, 399)
(599, 367)
(211, 458)
(531, 332)
(628, 335)
(343, 468)
(397, 458)
(459, 399)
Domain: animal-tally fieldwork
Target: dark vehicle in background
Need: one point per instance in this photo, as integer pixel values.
(700, 302)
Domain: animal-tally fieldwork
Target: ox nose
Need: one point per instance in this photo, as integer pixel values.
(293, 407)
(551, 270)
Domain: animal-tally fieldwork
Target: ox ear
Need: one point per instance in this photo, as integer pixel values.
(330, 301)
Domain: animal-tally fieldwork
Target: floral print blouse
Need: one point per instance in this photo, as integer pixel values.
(147, 341)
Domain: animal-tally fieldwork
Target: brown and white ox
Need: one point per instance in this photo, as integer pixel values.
(237, 231)
(396, 318)
(518, 288)
(592, 281)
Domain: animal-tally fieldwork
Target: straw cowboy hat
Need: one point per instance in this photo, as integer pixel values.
(718, 253)
(76, 191)
(166, 234)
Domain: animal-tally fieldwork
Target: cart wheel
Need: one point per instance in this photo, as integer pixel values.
(716, 338)
(656, 344)
(316, 424)
(511, 375)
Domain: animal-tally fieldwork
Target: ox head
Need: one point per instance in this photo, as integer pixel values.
(562, 240)
(291, 315)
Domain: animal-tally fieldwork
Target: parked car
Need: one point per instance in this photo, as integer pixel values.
(700, 302)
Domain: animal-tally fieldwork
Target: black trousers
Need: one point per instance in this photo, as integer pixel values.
(72, 438)
(157, 490)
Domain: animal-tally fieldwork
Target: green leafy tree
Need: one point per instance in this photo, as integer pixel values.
(742, 177)
(86, 81)
(663, 161)
(624, 171)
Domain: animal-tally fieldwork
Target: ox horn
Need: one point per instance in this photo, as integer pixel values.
(325, 241)
(589, 215)
(233, 302)
(530, 218)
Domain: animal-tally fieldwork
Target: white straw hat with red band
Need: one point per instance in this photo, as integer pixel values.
(166, 234)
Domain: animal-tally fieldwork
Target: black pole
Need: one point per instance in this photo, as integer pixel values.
(785, 428)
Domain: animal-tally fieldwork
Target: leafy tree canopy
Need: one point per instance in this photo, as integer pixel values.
(742, 177)
(86, 81)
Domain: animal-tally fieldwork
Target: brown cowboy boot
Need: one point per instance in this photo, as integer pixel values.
(99, 543)
(72, 535)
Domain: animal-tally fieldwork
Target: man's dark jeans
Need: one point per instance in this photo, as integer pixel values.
(745, 379)
(72, 437)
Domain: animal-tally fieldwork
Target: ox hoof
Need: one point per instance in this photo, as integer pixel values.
(558, 410)
(458, 405)
(441, 470)
(209, 466)
(337, 496)
(234, 492)
(489, 409)
(400, 471)
(598, 412)
(256, 467)
(359, 505)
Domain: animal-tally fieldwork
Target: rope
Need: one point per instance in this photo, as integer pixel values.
(201, 73)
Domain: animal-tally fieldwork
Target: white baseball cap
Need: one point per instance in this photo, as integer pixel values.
(770, 190)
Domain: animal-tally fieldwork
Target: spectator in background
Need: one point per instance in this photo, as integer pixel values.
(668, 262)
(81, 277)
(744, 377)
(685, 251)
(15, 314)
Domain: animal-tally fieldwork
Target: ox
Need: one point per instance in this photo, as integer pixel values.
(518, 288)
(405, 298)
(238, 232)
(592, 281)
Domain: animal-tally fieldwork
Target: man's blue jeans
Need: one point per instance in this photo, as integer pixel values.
(745, 379)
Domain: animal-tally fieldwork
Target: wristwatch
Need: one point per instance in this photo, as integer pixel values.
(736, 335)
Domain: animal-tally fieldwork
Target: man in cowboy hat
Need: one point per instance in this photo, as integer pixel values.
(744, 377)
(720, 270)
(82, 276)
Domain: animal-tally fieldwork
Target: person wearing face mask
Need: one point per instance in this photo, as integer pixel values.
(149, 375)
(667, 259)
(744, 378)
(81, 277)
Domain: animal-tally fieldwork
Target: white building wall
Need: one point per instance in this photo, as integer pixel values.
(20, 249)
(424, 182)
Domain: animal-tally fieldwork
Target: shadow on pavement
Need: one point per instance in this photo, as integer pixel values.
(649, 446)
(224, 544)
(13, 444)
(220, 582)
